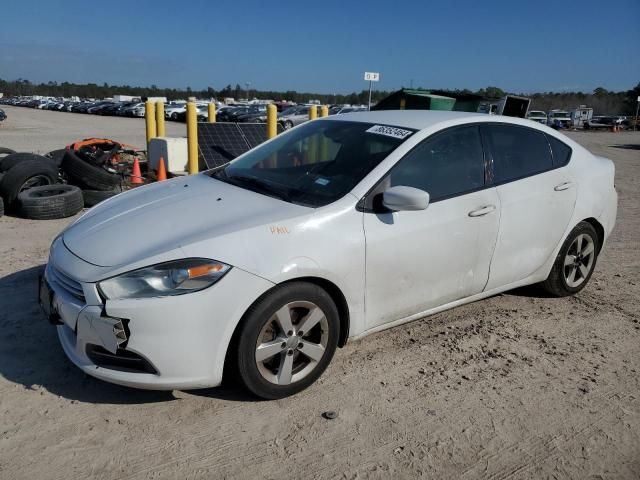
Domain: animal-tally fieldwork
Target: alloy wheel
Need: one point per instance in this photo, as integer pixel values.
(579, 259)
(292, 343)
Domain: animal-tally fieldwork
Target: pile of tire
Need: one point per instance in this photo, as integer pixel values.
(88, 169)
(21, 173)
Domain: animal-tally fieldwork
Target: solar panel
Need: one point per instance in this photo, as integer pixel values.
(255, 133)
(221, 142)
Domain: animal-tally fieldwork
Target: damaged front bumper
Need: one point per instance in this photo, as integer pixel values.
(162, 343)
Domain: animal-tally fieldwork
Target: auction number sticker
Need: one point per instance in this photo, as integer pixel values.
(394, 132)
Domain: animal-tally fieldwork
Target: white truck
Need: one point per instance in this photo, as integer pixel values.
(559, 119)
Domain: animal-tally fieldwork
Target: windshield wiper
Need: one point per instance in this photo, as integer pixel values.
(257, 184)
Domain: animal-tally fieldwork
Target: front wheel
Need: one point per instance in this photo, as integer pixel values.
(575, 262)
(287, 340)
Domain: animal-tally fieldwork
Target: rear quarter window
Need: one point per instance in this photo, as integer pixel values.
(561, 151)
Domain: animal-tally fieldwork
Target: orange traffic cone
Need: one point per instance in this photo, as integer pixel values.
(162, 172)
(136, 175)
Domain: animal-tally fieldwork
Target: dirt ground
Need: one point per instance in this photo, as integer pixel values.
(516, 386)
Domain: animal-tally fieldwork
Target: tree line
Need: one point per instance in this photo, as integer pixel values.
(601, 100)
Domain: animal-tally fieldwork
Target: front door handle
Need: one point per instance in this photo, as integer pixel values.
(482, 211)
(562, 186)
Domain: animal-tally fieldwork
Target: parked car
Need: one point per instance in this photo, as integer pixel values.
(599, 122)
(135, 110)
(537, 116)
(255, 114)
(362, 221)
(97, 107)
(293, 116)
(338, 110)
(232, 114)
(3, 115)
(171, 112)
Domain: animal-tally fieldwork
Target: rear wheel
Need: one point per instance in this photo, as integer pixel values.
(575, 262)
(287, 340)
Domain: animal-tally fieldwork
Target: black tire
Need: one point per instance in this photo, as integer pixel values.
(94, 197)
(18, 178)
(86, 175)
(557, 282)
(10, 161)
(57, 156)
(6, 151)
(1, 207)
(50, 202)
(287, 125)
(256, 318)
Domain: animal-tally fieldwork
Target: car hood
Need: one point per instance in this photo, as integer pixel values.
(165, 216)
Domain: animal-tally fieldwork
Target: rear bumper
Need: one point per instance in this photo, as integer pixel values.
(608, 216)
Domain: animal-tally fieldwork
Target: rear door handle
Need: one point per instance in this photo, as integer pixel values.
(482, 211)
(562, 186)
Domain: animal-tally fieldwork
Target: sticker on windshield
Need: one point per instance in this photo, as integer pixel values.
(322, 181)
(394, 132)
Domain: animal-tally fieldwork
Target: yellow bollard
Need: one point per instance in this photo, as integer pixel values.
(313, 112)
(192, 138)
(403, 103)
(212, 113)
(324, 111)
(160, 130)
(272, 121)
(150, 120)
(312, 156)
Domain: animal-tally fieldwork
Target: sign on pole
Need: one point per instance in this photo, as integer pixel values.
(371, 77)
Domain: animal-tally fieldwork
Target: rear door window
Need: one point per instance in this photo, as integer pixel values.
(518, 152)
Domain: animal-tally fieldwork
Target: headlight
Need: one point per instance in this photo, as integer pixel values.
(165, 279)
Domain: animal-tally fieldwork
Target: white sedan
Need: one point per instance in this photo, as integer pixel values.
(340, 227)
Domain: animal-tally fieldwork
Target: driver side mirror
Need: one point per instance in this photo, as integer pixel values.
(400, 198)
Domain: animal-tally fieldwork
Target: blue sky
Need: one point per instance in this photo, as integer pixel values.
(325, 46)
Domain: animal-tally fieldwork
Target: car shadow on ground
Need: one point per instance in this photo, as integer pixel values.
(531, 291)
(628, 146)
(31, 355)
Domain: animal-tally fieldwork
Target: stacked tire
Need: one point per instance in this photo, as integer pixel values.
(21, 173)
(51, 201)
(96, 182)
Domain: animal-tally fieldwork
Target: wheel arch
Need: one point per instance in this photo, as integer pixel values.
(598, 228)
(331, 288)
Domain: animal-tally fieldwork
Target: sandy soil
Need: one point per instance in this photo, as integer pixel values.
(516, 386)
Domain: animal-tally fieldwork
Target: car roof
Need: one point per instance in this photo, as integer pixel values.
(416, 119)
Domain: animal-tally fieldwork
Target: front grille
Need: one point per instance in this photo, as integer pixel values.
(65, 282)
(122, 360)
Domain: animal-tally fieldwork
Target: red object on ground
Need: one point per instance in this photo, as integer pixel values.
(136, 175)
(162, 171)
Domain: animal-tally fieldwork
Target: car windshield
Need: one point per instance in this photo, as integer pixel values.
(316, 163)
(559, 114)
